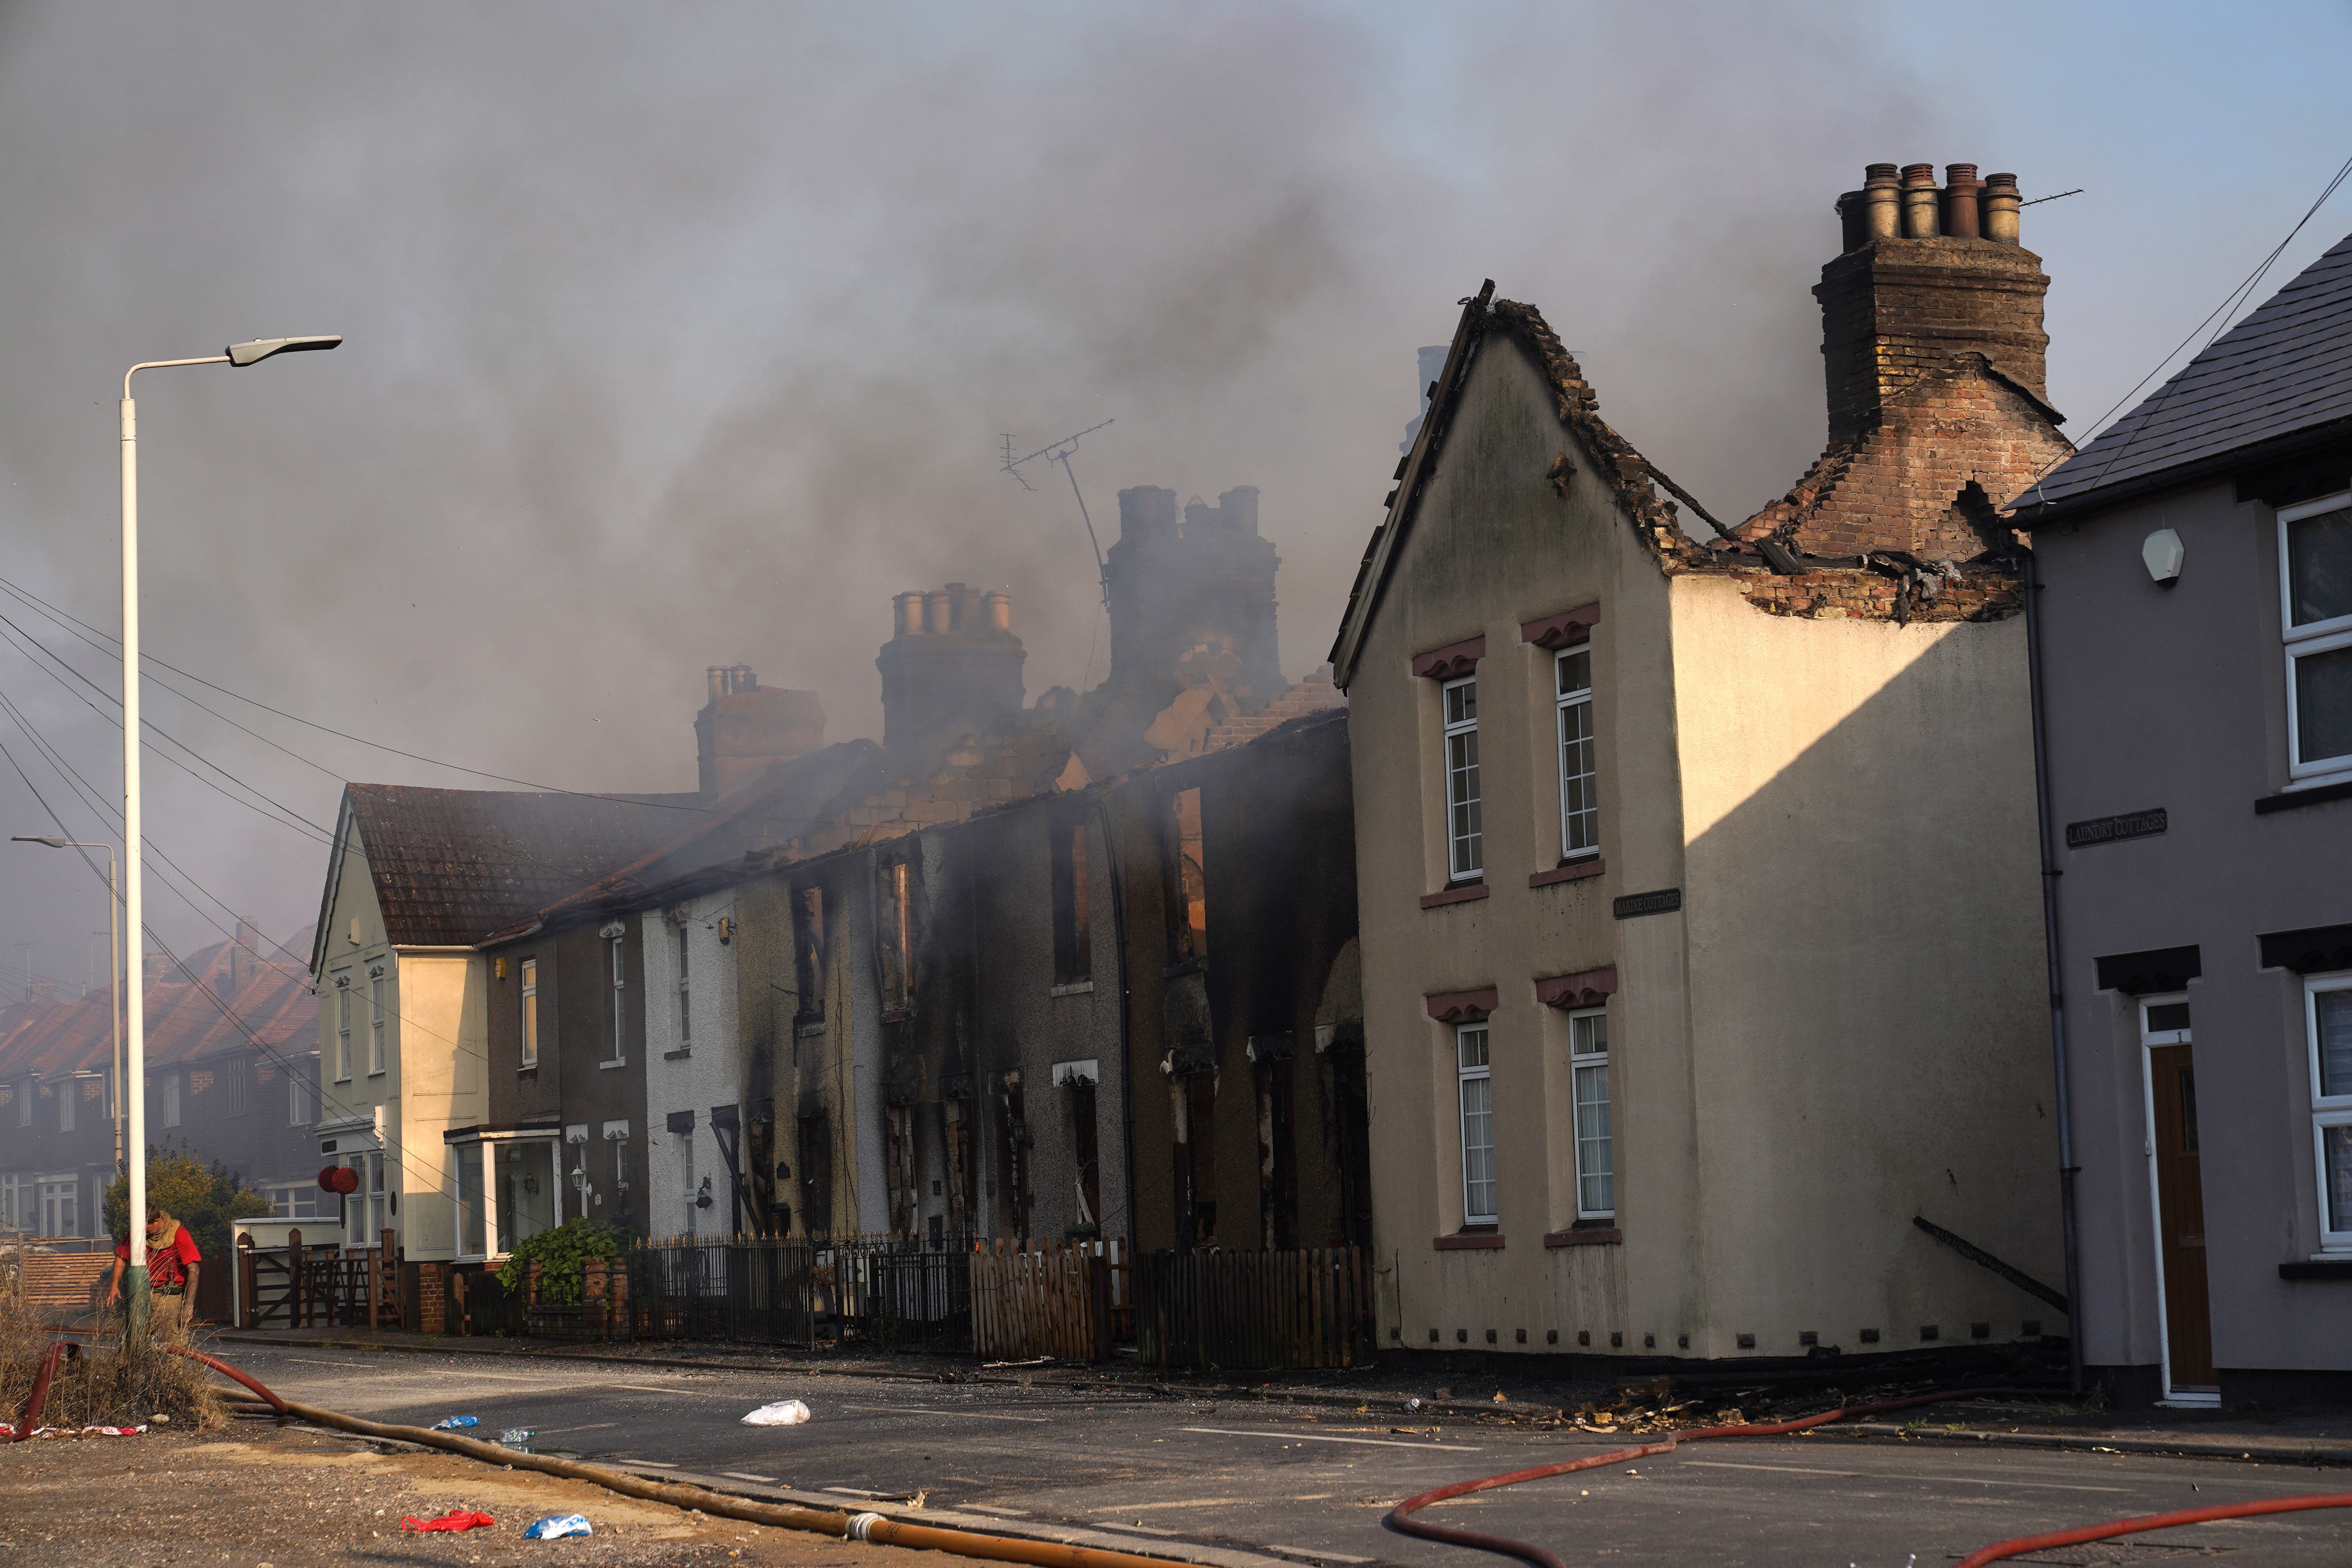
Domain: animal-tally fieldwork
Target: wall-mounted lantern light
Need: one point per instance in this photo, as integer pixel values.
(2163, 554)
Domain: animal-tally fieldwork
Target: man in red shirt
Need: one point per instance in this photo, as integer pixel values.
(172, 1264)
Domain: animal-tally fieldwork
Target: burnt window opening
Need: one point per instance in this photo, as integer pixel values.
(893, 939)
(816, 1175)
(1194, 1097)
(1187, 883)
(960, 1126)
(1086, 1144)
(1277, 1154)
(808, 955)
(1073, 944)
(1014, 1154)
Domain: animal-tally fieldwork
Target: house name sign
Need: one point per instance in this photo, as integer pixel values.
(1665, 901)
(2114, 829)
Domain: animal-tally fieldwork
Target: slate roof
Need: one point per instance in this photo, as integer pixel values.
(451, 865)
(2284, 371)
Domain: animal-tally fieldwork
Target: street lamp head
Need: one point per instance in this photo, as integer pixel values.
(260, 349)
(52, 840)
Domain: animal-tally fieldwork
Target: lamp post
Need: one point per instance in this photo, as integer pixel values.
(135, 1067)
(113, 962)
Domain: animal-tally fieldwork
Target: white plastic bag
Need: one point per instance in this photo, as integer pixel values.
(784, 1413)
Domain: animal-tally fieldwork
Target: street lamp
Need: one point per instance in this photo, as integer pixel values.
(113, 962)
(135, 1068)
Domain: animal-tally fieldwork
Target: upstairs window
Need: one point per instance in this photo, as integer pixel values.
(1476, 1086)
(2327, 1017)
(69, 1092)
(238, 1072)
(1073, 933)
(2315, 588)
(808, 953)
(297, 1100)
(894, 937)
(343, 1027)
(530, 1012)
(1579, 802)
(1187, 878)
(375, 1019)
(615, 939)
(1466, 839)
(685, 1006)
(171, 1098)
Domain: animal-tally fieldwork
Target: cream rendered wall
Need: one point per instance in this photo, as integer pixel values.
(1841, 1027)
(1867, 983)
(437, 1041)
(1493, 546)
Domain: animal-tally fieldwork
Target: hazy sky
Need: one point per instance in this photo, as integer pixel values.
(687, 335)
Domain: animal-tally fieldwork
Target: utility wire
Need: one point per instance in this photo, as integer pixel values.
(2224, 310)
(56, 614)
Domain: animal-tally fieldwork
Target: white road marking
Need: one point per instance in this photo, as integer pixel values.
(1320, 1556)
(1188, 1503)
(1884, 1476)
(645, 1465)
(1138, 1528)
(1320, 1437)
(746, 1475)
(931, 1410)
(559, 1431)
(991, 1507)
(649, 1388)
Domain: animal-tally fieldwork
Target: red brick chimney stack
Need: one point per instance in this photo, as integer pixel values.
(1926, 272)
(746, 728)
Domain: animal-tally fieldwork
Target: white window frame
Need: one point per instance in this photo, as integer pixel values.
(239, 1072)
(616, 937)
(2327, 1110)
(530, 1012)
(486, 1149)
(172, 1097)
(377, 980)
(1592, 1023)
(297, 1099)
(26, 1089)
(1465, 1074)
(2301, 642)
(1465, 851)
(68, 1094)
(1576, 705)
(342, 1026)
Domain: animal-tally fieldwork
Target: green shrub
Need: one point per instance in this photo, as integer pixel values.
(561, 1255)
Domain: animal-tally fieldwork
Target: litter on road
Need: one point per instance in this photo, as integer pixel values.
(455, 1519)
(451, 1423)
(516, 1437)
(784, 1413)
(556, 1524)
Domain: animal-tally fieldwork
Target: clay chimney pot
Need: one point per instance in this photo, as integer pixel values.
(907, 613)
(1960, 188)
(1920, 200)
(1882, 196)
(2000, 203)
(1000, 612)
(938, 611)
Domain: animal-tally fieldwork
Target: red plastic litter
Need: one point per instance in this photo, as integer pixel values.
(455, 1519)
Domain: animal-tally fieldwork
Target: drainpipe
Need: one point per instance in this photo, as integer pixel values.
(1126, 1041)
(2067, 1169)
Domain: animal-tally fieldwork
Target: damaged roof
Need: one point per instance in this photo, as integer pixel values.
(1634, 481)
(2280, 377)
(451, 865)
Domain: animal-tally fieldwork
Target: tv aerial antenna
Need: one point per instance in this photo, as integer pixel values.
(1059, 452)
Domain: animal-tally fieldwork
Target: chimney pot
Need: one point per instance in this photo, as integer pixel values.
(1920, 200)
(967, 606)
(718, 678)
(1854, 225)
(1000, 612)
(2000, 204)
(938, 611)
(1960, 189)
(907, 613)
(1882, 197)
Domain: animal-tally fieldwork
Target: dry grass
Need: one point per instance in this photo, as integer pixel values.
(101, 1386)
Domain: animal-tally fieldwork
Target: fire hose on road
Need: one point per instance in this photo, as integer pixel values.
(1400, 1518)
(870, 1527)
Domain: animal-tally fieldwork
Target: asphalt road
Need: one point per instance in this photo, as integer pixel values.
(1262, 1477)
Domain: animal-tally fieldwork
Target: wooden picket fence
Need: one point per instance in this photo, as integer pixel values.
(1270, 1311)
(1054, 1301)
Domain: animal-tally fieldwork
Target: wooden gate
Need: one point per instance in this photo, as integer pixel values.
(1258, 1309)
(1052, 1302)
(323, 1285)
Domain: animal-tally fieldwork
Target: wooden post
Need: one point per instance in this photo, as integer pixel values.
(244, 1284)
(297, 1309)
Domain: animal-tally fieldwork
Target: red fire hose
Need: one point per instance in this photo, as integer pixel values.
(58, 1350)
(1399, 1517)
(222, 1367)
